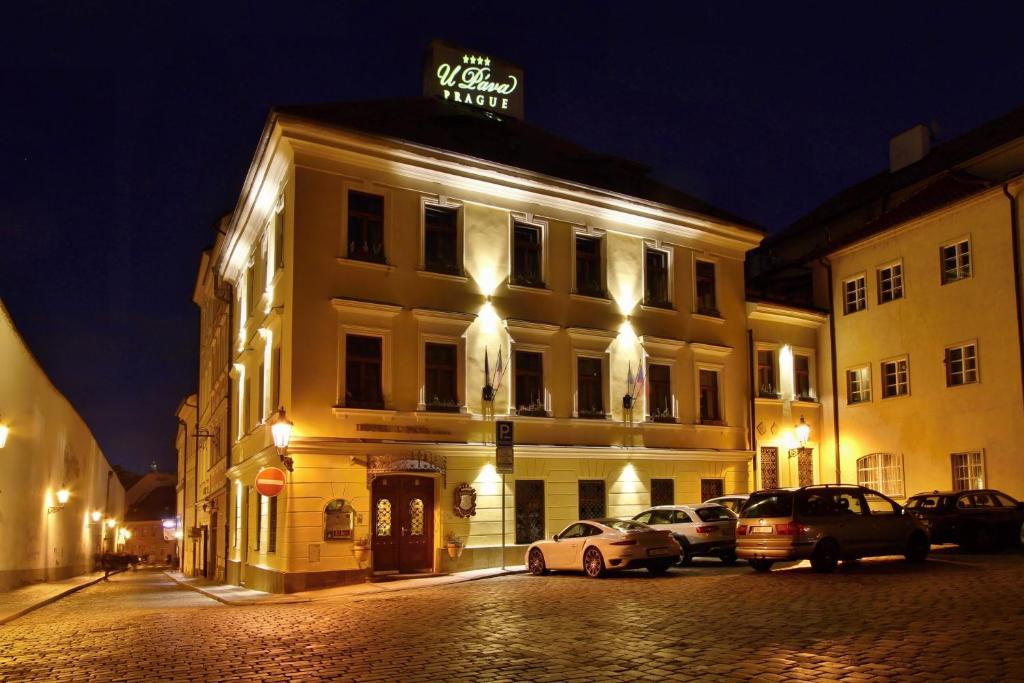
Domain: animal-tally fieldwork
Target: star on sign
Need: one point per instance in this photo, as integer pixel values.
(487, 61)
(465, 59)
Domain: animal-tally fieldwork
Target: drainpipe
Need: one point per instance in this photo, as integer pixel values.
(184, 498)
(835, 372)
(1015, 242)
(751, 384)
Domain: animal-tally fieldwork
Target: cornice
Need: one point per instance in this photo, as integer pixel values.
(785, 314)
(358, 306)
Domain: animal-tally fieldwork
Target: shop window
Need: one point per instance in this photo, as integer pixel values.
(956, 261)
(802, 377)
(339, 520)
(706, 286)
(858, 385)
(854, 295)
(591, 499)
(589, 281)
(659, 393)
(710, 405)
(656, 289)
(968, 471)
(365, 227)
(895, 378)
(529, 383)
(441, 371)
(882, 472)
(663, 492)
(529, 510)
(766, 384)
(961, 365)
(589, 388)
(527, 255)
(363, 367)
(890, 283)
(441, 240)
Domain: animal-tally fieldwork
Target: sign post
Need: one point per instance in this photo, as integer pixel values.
(504, 439)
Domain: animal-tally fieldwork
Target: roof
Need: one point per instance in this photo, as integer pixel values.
(160, 503)
(464, 130)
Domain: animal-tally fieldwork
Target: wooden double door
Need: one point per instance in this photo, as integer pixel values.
(403, 523)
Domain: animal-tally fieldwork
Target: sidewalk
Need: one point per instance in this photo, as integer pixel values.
(237, 595)
(20, 601)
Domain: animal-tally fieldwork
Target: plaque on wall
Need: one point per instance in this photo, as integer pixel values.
(465, 500)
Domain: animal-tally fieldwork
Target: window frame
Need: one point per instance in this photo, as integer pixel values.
(443, 202)
(716, 311)
(962, 347)
(528, 221)
(541, 351)
(880, 280)
(385, 196)
(862, 299)
(673, 416)
(958, 254)
(364, 331)
(599, 236)
(458, 344)
(601, 356)
(812, 375)
(980, 465)
(906, 382)
(671, 483)
(516, 509)
(667, 251)
(719, 371)
(849, 385)
(579, 498)
(775, 351)
(880, 483)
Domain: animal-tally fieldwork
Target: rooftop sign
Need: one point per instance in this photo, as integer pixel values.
(459, 75)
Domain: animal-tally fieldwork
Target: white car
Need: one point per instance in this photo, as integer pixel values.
(734, 501)
(703, 529)
(600, 545)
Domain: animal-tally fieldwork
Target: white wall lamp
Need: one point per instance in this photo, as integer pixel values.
(4, 431)
(281, 429)
(63, 495)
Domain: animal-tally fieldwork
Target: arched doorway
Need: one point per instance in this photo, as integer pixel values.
(403, 523)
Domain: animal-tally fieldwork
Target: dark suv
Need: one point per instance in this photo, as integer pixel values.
(826, 524)
(979, 519)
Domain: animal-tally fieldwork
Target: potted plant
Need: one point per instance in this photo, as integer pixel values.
(361, 548)
(455, 546)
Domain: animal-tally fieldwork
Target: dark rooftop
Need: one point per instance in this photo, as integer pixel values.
(160, 503)
(458, 128)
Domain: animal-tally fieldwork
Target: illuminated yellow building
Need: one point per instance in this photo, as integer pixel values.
(390, 261)
(920, 266)
(62, 505)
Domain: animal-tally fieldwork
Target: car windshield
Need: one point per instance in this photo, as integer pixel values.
(715, 514)
(769, 504)
(926, 502)
(623, 524)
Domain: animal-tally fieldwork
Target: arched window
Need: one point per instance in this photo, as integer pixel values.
(339, 519)
(882, 472)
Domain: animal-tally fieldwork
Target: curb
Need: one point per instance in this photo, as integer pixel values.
(52, 599)
(234, 603)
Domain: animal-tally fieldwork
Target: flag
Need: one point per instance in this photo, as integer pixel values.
(629, 379)
(639, 380)
(487, 368)
(499, 371)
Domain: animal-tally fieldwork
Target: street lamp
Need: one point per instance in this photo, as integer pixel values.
(96, 515)
(4, 431)
(62, 499)
(803, 432)
(281, 429)
(111, 523)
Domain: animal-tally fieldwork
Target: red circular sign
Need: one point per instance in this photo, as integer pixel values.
(270, 481)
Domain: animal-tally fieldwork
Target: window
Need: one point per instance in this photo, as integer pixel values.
(656, 290)
(663, 492)
(769, 467)
(591, 494)
(441, 240)
(250, 288)
(272, 526)
(363, 366)
(589, 388)
(766, 386)
(238, 513)
(529, 510)
(961, 365)
(588, 266)
(259, 519)
(279, 239)
(882, 472)
(890, 283)
(956, 261)
(261, 396)
(527, 255)
(858, 385)
(365, 227)
(802, 377)
(968, 471)
(711, 488)
(895, 378)
(275, 380)
(659, 393)
(246, 407)
(854, 295)
(441, 371)
(710, 408)
(529, 383)
(707, 297)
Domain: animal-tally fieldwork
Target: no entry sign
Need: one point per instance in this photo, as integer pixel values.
(270, 481)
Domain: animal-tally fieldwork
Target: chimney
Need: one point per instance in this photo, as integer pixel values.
(909, 147)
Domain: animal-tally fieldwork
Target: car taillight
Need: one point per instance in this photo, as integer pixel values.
(629, 542)
(788, 529)
(741, 530)
(705, 530)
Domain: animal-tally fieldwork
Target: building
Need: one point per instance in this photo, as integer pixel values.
(405, 273)
(919, 267)
(150, 519)
(62, 504)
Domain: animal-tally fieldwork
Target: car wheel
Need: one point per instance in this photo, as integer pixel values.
(536, 563)
(660, 567)
(917, 548)
(761, 565)
(728, 558)
(685, 558)
(593, 563)
(825, 556)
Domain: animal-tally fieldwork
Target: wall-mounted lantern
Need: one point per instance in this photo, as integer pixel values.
(281, 429)
(803, 431)
(4, 431)
(96, 516)
(63, 495)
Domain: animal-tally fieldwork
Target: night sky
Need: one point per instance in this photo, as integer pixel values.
(127, 129)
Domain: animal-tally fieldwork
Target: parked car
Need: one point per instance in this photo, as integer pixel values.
(826, 523)
(980, 519)
(702, 530)
(600, 545)
(734, 501)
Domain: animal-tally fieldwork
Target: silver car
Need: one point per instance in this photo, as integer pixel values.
(702, 529)
(733, 501)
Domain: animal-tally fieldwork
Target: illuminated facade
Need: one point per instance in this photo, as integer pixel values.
(384, 275)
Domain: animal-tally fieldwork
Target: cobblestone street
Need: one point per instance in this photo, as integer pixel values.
(956, 618)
